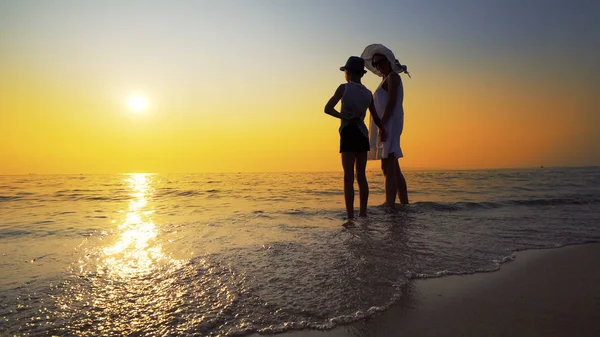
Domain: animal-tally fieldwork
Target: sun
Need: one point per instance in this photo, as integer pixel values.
(137, 103)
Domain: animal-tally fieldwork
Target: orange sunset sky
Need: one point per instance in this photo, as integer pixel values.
(241, 85)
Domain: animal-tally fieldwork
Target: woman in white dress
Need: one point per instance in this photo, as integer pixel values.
(388, 100)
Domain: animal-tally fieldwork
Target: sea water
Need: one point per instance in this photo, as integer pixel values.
(233, 254)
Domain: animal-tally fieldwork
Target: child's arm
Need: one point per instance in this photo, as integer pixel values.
(333, 101)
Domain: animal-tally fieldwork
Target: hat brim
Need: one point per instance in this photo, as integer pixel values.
(353, 70)
(373, 49)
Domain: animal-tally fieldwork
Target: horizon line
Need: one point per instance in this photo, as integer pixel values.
(408, 169)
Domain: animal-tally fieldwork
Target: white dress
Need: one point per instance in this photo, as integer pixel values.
(393, 127)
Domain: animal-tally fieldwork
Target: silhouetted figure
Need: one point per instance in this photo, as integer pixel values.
(354, 135)
(388, 98)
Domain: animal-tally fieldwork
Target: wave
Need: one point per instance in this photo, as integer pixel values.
(4, 198)
(14, 233)
(81, 196)
(44, 232)
(582, 200)
(454, 206)
(464, 206)
(168, 192)
(442, 273)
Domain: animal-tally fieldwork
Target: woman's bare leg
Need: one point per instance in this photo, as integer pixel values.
(402, 188)
(391, 185)
(361, 177)
(348, 159)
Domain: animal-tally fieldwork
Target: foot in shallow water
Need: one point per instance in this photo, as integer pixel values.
(388, 208)
(349, 224)
(393, 208)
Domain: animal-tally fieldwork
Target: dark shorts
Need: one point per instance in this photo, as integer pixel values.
(352, 140)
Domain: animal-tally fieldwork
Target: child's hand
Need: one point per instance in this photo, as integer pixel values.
(382, 135)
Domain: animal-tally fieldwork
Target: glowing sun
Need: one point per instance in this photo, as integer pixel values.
(137, 103)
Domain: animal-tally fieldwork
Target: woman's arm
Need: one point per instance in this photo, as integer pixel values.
(374, 115)
(393, 83)
(373, 111)
(333, 101)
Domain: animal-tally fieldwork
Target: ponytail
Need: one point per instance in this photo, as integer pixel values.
(403, 68)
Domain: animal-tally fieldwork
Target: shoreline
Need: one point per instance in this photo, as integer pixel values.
(542, 292)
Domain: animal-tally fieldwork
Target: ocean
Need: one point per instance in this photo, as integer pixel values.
(234, 254)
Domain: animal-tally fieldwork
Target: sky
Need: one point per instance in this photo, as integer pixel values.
(240, 86)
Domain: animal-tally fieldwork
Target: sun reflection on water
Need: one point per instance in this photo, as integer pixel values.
(137, 251)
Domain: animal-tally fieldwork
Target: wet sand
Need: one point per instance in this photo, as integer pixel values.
(551, 292)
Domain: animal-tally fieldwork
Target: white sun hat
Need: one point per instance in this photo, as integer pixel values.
(372, 50)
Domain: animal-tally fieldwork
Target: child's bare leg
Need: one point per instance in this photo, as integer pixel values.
(363, 186)
(348, 159)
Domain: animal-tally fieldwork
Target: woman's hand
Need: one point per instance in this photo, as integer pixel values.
(382, 135)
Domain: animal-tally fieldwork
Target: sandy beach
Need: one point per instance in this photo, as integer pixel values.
(552, 292)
